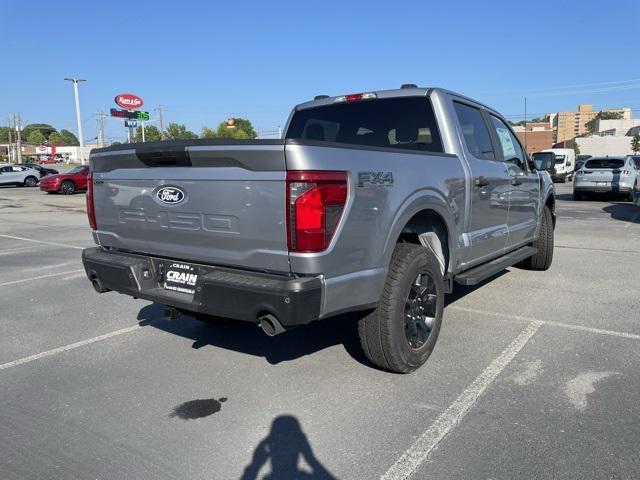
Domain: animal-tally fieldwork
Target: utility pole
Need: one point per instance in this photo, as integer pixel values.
(11, 157)
(143, 139)
(101, 116)
(159, 110)
(77, 97)
(525, 125)
(16, 122)
(279, 131)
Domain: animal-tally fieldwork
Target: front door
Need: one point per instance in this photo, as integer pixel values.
(524, 188)
(7, 175)
(487, 230)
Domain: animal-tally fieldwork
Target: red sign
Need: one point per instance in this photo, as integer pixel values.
(128, 101)
(42, 148)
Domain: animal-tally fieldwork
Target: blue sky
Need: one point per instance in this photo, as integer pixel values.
(205, 61)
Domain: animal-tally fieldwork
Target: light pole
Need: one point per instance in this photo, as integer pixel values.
(75, 92)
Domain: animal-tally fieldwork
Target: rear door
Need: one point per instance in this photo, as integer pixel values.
(524, 188)
(212, 204)
(491, 184)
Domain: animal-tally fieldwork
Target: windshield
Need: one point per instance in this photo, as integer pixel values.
(560, 159)
(636, 160)
(77, 170)
(404, 122)
(540, 158)
(604, 163)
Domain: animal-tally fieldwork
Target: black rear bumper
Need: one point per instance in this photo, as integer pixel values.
(224, 292)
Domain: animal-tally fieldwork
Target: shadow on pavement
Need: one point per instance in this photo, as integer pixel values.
(247, 338)
(461, 291)
(627, 212)
(283, 447)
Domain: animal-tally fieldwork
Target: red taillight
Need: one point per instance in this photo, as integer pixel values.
(91, 212)
(315, 201)
(353, 97)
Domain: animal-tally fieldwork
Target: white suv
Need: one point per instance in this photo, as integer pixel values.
(18, 176)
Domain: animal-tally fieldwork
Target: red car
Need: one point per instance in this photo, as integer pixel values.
(48, 161)
(67, 183)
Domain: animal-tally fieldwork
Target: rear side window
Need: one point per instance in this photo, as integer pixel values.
(604, 163)
(474, 130)
(405, 122)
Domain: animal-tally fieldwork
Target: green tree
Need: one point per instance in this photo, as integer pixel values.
(151, 134)
(602, 115)
(4, 134)
(35, 137)
(576, 148)
(70, 139)
(44, 128)
(178, 131)
(208, 132)
(635, 143)
(56, 138)
(242, 128)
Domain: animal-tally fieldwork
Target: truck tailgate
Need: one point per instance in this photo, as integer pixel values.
(219, 204)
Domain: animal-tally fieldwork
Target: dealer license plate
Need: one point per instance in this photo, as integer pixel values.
(180, 277)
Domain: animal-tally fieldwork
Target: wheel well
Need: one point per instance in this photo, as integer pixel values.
(551, 203)
(428, 222)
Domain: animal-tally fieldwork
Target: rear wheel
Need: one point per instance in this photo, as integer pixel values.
(544, 256)
(30, 182)
(400, 334)
(68, 187)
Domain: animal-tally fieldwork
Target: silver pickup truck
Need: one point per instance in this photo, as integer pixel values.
(376, 202)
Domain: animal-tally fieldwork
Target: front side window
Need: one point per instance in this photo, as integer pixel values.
(474, 130)
(509, 144)
(404, 122)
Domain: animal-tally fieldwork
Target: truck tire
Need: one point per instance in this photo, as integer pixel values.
(544, 256)
(400, 334)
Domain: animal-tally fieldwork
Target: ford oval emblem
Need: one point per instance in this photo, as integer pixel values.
(170, 195)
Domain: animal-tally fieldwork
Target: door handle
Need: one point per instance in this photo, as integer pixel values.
(516, 181)
(481, 181)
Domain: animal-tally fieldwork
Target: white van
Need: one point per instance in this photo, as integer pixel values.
(565, 164)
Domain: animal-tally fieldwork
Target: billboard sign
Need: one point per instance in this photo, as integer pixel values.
(128, 101)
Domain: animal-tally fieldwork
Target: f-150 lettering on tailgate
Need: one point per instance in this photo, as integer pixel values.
(180, 220)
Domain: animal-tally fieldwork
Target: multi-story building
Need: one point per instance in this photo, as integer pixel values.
(536, 136)
(569, 125)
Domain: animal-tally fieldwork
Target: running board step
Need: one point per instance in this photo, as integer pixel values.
(486, 270)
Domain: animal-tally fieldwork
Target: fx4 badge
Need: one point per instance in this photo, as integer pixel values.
(382, 179)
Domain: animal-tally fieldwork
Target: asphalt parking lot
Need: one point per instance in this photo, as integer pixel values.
(535, 374)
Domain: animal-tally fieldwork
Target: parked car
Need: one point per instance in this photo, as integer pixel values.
(18, 175)
(67, 183)
(377, 201)
(580, 159)
(617, 175)
(48, 161)
(43, 171)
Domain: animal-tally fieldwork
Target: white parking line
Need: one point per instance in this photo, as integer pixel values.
(8, 251)
(582, 328)
(71, 273)
(66, 348)
(409, 462)
(40, 241)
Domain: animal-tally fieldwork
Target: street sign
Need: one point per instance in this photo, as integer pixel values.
(131, 123)
(129, 101)
(137, 115)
